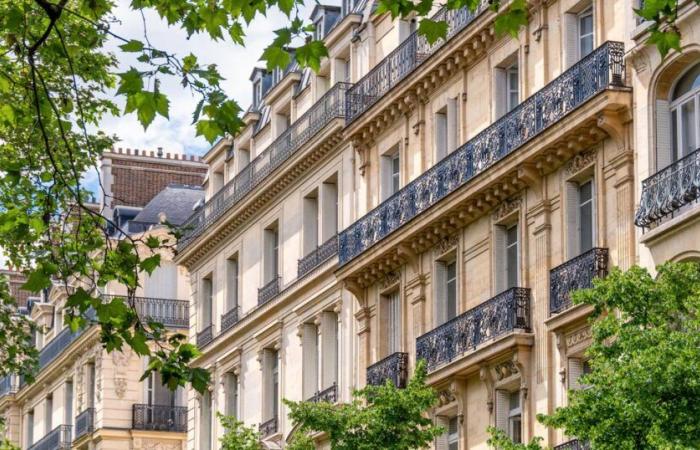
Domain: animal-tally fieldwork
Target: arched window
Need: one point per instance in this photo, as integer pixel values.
(685, 114)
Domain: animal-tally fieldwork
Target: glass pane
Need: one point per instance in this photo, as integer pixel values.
(516, 430)
(688, 127)
(586, 227)
(512, 257)
(689, 82)
(674, 135)
(451, 290)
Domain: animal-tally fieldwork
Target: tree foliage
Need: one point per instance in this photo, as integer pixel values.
(378, 417)
(237, 436)
(58, 80)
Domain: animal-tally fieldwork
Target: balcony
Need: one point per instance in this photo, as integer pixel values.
(573, 444)
(600, 70)
(667, 192)
(57, 439)
(318, 256)
(84, 423)
(329, 107)
(205, 336)
(329, 395)
(230, 318)
(505, 313)
(55, 346)
(269, 291)
(159, 418)
(8, 385)
(577, 273)
(394, 367)
(170, 312)
(268, 428)
(403, 60)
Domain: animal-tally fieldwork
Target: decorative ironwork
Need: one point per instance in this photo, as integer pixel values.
(8, 385)
(170, 312)
(57, 439)
(330, 395)
(159, 418)
(502, 314)
(574, 444)
(205, 336)
(576, 273)
(269, 291)
(319, 255)
(394, 367)
(403, 60)
(84, 423)
(55, 346)
(330, 106)
(596, 72)
(268, 428)
(230, 318)
(668, 190)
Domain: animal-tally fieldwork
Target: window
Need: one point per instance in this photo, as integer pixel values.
(515, 418)
(48, 413)
(231, 386)
(232, 282)
(318, 30)
(271, 255)
(506, 257)
(392, 311)
(329, 344)
(685, 120)
(390, 174)
(68, 415)
(206, 308)
(512, 256)
(576, 368)
(329, 208)
(271, 384)
(585, 32)
(310, 222)
(453, 434)
(512, 87)
(205, 412)
(91, 380)
(580, 217)
(257, 93)
(585, 207)
(310, 354)
(506, 86)
(30, 427)
(446, 294)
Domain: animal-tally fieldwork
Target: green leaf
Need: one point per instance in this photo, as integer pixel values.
(209, 129)
(132, 46)
(150, 264)
(276, 57)
(432, 30)
(665, 41)
(310, 54)
(286, 6)
(512, 20)
(37, 280)
(199, 379)
(237, 34)
(130, 82)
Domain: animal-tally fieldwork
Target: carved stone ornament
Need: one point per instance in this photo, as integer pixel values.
(504, 370)
(155, 444)
(120, 387)
(391, 279)
(580, 162)
(447, 244)
(445, 397)
(506, 208)
(98, 375)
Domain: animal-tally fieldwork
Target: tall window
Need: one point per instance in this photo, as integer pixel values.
(48, 413)
(232, 282)
(512, 256)
(231, 385)
(271, 256)
(585, 32)
(390, 174)
(446, 129)
(205, 411)
(310, 354)
(515, 418)
(453, 434)
(257, 93)
(580, 217)
(506, 86)
(310, 222)
(329, 348)
(271, 384)
(329, 208)
(512, 87)
(506, 258)
(30, 427)
(392, 311)
(685, 120)
(446, 294)
(206, 309)
(68, 416)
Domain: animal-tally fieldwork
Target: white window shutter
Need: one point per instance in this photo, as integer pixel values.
(571, 40)
(499, 259)
(440, 293)
(664, 140)
(441, 440)
(572, 220)
(500, 90)
(452, 124)
(309, 360)
(329, 339)
(575, 370)
(502, 409)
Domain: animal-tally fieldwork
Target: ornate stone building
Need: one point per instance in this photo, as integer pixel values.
(85, 398)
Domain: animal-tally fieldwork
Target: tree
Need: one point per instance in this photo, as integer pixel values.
(378, 417)
(237, 436)
(57, 82)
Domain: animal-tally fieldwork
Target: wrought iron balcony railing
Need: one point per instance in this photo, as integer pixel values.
(55, 346)
(230, 318)
(394, 367)
(268, 428)
(205, 336)
(573, 444)
(159, 418)
(403, 60)
(576, 273)
(170, 312)
(269, 291)
(596, 72)
(84, 423)
(330, 106)
(502, 314)
(8, 385)
(667, 191)
(57, 439)
(329, 395)
(319, 255)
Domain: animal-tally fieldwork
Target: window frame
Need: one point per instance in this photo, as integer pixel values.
(580, 37)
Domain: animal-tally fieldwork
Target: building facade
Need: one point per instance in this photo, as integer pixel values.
(84, 397)
(472, 184)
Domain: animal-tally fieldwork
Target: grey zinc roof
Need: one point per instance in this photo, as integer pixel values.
(175, 201)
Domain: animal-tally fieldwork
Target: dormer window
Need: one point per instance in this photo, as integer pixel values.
(318, 32)
(257, 93)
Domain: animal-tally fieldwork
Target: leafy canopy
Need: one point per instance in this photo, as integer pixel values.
(58, 80)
